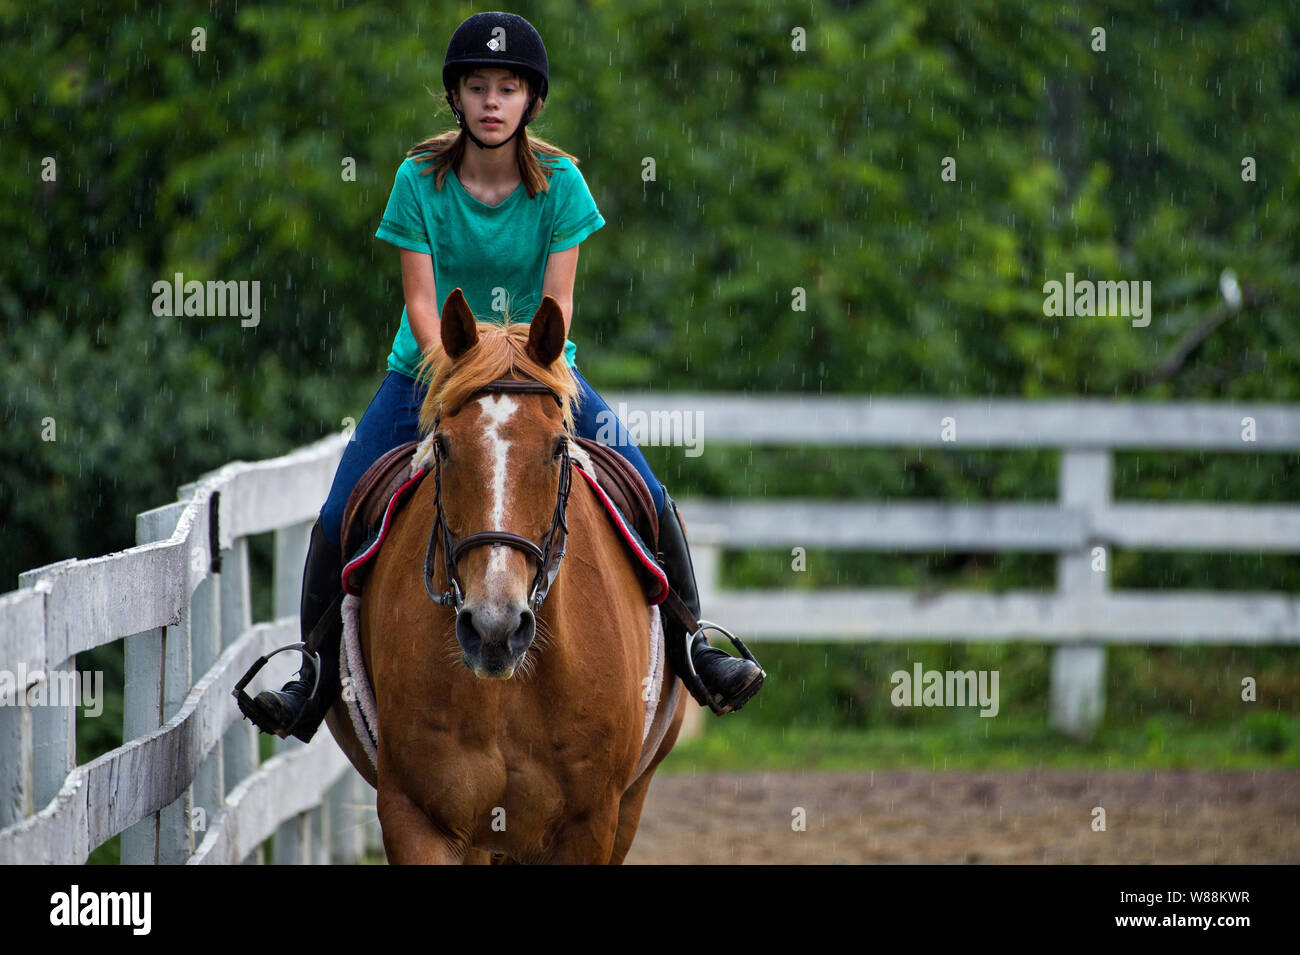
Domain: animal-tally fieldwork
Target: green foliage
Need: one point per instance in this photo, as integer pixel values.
(1267, 732)
(1001, 744)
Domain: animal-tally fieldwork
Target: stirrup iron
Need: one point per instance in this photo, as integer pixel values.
(739, 644)
(255, 711)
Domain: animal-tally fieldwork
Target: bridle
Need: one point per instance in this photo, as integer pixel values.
(452, 550)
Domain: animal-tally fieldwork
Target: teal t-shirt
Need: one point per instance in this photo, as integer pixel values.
(496, 255)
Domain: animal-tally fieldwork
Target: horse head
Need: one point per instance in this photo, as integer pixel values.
(500, 413)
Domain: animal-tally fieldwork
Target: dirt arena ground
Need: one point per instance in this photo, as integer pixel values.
(1167, 817)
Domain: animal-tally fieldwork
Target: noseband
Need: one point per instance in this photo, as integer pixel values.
(547, 556)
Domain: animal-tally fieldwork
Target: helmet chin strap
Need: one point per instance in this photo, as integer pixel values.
(460, 121)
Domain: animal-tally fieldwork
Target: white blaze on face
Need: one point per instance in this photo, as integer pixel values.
(497, 410)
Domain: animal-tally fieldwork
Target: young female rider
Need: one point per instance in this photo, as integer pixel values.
(476, 203)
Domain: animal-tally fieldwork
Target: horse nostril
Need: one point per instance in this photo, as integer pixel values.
(466, 634)
(524, 632)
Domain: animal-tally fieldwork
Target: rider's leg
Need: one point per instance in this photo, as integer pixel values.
(593, 419)
(734, 678)
(390, 419)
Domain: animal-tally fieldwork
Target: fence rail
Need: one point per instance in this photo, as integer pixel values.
(1081, 527)
(187, 785)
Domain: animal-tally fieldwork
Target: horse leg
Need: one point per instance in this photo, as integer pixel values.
(629, 809)
(629, 815)
(588, 840)
(410, 837)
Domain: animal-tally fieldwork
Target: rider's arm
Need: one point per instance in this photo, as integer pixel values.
(422, 298)
(561, 267)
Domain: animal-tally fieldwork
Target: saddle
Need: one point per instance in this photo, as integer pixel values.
(376, 497)
(364, 514)
(626, 488)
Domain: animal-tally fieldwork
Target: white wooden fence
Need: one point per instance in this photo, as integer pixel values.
(188, 786)
(1083, 614)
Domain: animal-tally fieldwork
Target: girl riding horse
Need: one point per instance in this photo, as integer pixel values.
(525, 210)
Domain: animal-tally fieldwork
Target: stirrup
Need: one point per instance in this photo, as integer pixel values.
(256, 711)
(725, 706)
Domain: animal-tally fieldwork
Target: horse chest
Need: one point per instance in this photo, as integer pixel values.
(509, 799)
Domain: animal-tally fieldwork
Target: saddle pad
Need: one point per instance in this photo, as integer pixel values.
(623, 485)
(358, 568)
(366, 504)
(652, 576)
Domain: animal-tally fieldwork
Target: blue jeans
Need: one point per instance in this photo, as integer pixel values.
(587, 417)
(392, 419)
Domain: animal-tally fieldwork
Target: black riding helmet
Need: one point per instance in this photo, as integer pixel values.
(499, 40)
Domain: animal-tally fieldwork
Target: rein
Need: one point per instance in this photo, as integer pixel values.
(547, 555)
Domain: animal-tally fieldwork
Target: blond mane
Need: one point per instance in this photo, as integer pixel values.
(501, 352)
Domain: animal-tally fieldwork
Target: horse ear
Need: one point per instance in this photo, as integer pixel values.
(546, 336)
(459, 330)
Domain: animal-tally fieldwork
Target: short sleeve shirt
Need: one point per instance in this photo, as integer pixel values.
(496, 255)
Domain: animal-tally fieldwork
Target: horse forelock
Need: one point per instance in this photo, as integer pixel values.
(501, 352)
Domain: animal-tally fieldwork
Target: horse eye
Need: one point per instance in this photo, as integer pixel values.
(439, 446)
(559, 449)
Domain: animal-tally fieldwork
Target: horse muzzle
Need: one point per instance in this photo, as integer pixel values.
(493, 641)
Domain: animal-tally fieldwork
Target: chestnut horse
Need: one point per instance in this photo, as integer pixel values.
(504, 729)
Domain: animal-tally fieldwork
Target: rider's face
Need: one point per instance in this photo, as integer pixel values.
(486, 95)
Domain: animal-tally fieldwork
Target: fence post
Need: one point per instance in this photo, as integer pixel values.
(16, 799)
(15, 763)
(53, 727)
(205, 648)
(348, 819)
(239, 746)
(373, 834)
(145, 695)
(322, 828)
(1078, 678)
(706, 558)
(293, 838)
